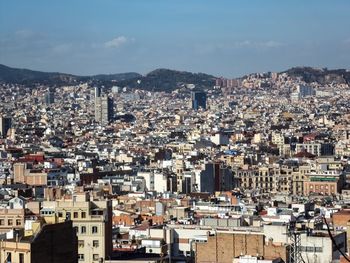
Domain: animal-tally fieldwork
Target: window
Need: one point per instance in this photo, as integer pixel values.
(94, 229)
(60, 214)
(76, 229)
(83, 214)
(75, 214)
(80, 243)
(95, 243)
(80, 257)
(18, 222)
(8, 257)
(95, 257)
(83, 229)
(2, 222)
(318, 249)
(68, 216)
(21, 258)
(311, 249)
(10, 222)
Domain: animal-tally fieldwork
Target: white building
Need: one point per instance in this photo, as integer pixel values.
(154, 181)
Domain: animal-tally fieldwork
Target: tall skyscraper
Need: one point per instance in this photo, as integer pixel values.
(5, 125)
(103, 107)
(97, 92)
(305, 91)
(49, 97)
(199, 100)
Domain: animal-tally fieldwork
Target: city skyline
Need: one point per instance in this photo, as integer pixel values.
(163, 163)
(230, 39)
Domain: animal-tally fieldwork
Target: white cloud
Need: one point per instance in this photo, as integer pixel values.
(258, 44)
(62, 48)
(271, 44)
(206, 48)
(24, 33)
(117, 42)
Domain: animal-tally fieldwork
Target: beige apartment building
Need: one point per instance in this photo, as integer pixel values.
(47, 244)
(299, 177)
(258, 178)
(28, 176)
(92, 221)
(284, 179)
(11, 218)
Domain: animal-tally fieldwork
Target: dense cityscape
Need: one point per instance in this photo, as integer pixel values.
(254, 169)
(180, 131)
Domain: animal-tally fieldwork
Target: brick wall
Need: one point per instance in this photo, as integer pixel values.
(341, 218)
(223, 247)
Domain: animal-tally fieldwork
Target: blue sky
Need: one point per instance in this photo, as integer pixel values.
(221, 37)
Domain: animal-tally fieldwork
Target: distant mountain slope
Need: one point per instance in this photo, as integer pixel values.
(32, 77)
(117, 77)
(322, 76)
(168, 80)
(157, 80)
(26, 76)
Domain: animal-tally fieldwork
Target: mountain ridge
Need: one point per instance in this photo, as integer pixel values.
(320, 75)
(160, 79)
(157, 80)
(32, 77)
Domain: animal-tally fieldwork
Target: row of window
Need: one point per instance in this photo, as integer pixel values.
(311, 249)
(322, 187)
(10, 222)
(75, 214)
(94, 257)
(94, 230)
(9, 257)
(95, 243)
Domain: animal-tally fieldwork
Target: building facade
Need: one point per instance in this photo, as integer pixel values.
(199, 100)
(92, 221)
(53, 243)
(103, 108)
(5, 125)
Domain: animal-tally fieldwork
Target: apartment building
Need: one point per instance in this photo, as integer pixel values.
(313, 148)
(316, 246)
(48, 244)
(22, 174)
(11, 219)
(261, 178)
(321, 184)
(224, 247)
(92, 221)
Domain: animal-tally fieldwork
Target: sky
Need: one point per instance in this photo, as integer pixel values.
(227, 38)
